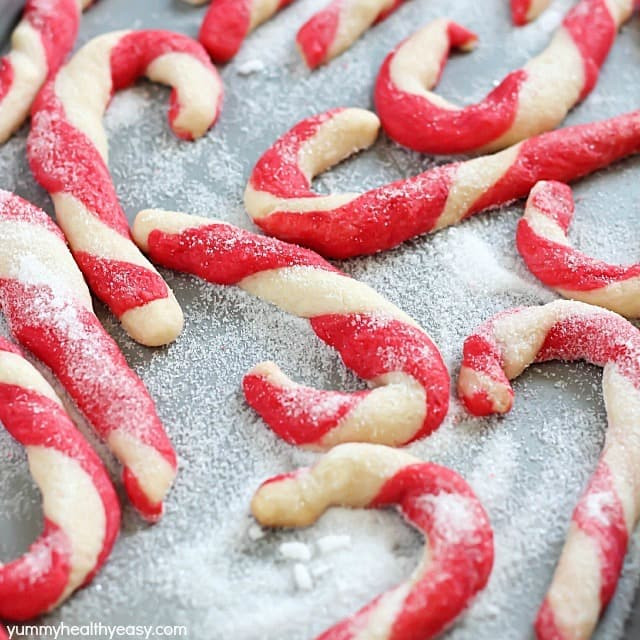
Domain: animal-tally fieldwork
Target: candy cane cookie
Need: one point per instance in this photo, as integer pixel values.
(280, 200)
(335, 28)
(499, 350)
(523, 11)
(39, 45)
(375, 339)
(228, 22)
(68, 154)
(81, 510)
(457, 560)
(48, 308)
(526, 103)
(543, 243)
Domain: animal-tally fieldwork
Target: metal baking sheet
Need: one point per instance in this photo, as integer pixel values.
(199, 567)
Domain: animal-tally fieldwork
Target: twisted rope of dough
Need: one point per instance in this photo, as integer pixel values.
(523, 11)
(280, 200)
(228, 22)
(48, 307)
(526, 103)
(67, 151)
(81, 511)
(499, 350)
(374, 338)
(40, 43)
(459, 556)
(542, 242)
(335, 28)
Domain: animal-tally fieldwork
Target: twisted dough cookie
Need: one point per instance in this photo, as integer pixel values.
(457, 560)
(67, 151)
(375, 339)
(523, 11)
(279, 197)
(527, 102)
(335, 28)
(39, 45)
(81, 511)
(499, 350)
(542, 242)
(228, 22)
(48, 307)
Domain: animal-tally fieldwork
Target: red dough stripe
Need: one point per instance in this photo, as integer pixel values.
(607, 510)
(524, 11)
(386, 216)
(227, 254)
(227, 23)
(372, 343)
(57, 22)
(606, 527)
(33, 583)
(113, 279)
(301, 415)
(315, 36)
(6, 76)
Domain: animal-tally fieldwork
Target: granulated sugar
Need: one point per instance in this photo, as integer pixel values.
(206, 565)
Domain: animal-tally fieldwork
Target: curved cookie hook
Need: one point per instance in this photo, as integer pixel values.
(459, 555)
(68, 155)
(499, 350)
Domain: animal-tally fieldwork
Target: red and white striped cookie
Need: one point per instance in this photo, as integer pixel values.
(39, 45)
(458, 557)
(68, 155)
(542, 242)
(335, 28)
(228, 22)
(81, 510)
(375, 339)
(48, 307)
(523, 11)
(279, 197)
(526, 103)
(499, 350)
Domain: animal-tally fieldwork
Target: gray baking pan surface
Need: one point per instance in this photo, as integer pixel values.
(200, 567)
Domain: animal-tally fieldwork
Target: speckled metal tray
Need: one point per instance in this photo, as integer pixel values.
(198, 567)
